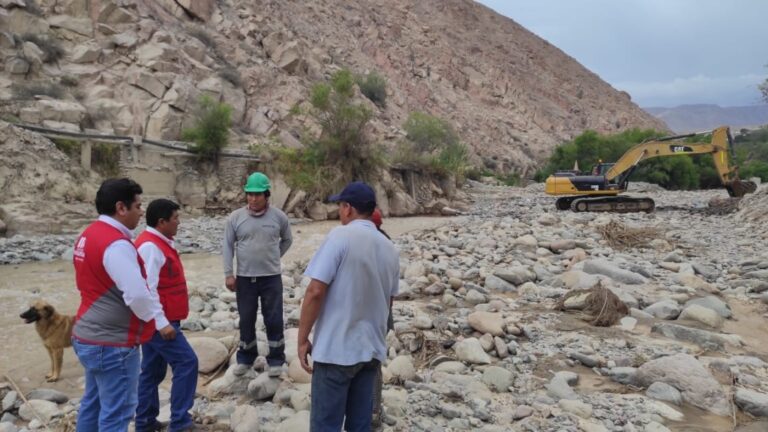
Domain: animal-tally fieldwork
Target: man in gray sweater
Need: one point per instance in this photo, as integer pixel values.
(257, 235)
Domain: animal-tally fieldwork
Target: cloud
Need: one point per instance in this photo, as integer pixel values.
(699, 89)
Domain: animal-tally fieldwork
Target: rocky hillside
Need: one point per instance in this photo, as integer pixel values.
(138, 66)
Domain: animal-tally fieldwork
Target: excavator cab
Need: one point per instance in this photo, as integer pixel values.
(601, 168)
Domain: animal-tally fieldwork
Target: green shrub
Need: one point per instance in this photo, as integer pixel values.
(29, 91)
(755, 169)
(429, 133)
(432, 144)
(52, 50)
(105, 158)
(374, 87)
(69, 147)
(211, 131)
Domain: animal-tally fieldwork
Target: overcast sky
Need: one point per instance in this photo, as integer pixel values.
(662, 52)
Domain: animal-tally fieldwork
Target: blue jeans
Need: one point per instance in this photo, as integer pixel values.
(268, 289)
(157, 354)
(111, 385)
(339, 391)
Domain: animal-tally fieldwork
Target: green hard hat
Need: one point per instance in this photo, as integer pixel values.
(257, 182)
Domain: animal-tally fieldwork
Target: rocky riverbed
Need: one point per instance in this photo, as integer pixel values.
(479, 343)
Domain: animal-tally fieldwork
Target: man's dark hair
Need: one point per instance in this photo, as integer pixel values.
(160, 209)
(113, 191)
(364, 209)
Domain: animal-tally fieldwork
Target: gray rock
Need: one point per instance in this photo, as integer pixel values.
(402, 368)
(664, 392)
(263, 387)
(495, 283)
(469, 350)
(607, 268)
(8, 427)
(522, 411)
(475, 297)
(486, 322)
(210, 353)
(245, 418)
(45, 409)
(559, 388)
(713, 303)
(50, 395)
(498, 379)
(653, 426)
(9, 401)
(665, 309)
(705, 339)
(685, 373)
(707, 271)
(751, 401)
(585, 359)
(702, 315)
(576, 407)
(299, 422)
(623, 375)
(517, 275)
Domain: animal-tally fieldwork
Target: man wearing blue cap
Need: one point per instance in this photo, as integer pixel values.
(354, 276)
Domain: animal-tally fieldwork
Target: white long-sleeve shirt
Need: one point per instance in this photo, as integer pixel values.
(122, 265)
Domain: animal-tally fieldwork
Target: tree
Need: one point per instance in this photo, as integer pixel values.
(211, 131)
(342, 152)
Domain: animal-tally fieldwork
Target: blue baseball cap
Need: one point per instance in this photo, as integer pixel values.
(355, 193)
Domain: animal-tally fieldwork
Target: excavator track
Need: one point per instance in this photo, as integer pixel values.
(613, 204)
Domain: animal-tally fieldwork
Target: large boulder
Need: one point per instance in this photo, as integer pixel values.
(486, 322)
(684, 372)
(607, 268)
(211, 353)
(753, 402)
(470, 351)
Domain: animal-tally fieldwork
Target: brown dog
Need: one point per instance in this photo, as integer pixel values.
(54, 329)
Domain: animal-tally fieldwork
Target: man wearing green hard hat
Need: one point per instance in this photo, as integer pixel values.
(256, 236)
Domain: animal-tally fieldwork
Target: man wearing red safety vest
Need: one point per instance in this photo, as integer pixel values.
(117, 311)
(165, 277)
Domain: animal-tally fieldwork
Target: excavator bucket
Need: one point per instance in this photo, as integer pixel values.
(738, 188)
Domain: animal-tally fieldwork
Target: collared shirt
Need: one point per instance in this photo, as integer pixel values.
(361, 268)
(154, 260)
(122, 265)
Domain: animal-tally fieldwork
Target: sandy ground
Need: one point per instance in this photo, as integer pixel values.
(23, 357)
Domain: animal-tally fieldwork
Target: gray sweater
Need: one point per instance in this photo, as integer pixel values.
(257, 242)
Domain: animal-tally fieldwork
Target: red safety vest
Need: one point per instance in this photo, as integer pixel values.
(172, 285)
(103, 318)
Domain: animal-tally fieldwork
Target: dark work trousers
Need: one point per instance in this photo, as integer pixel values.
(156, 355)
(268, 289)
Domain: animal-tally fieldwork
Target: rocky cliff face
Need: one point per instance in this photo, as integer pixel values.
(138, 66)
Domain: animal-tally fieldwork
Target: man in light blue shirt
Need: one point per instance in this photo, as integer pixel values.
(354, 277)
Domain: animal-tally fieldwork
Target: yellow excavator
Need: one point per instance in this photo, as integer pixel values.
(599, 191)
